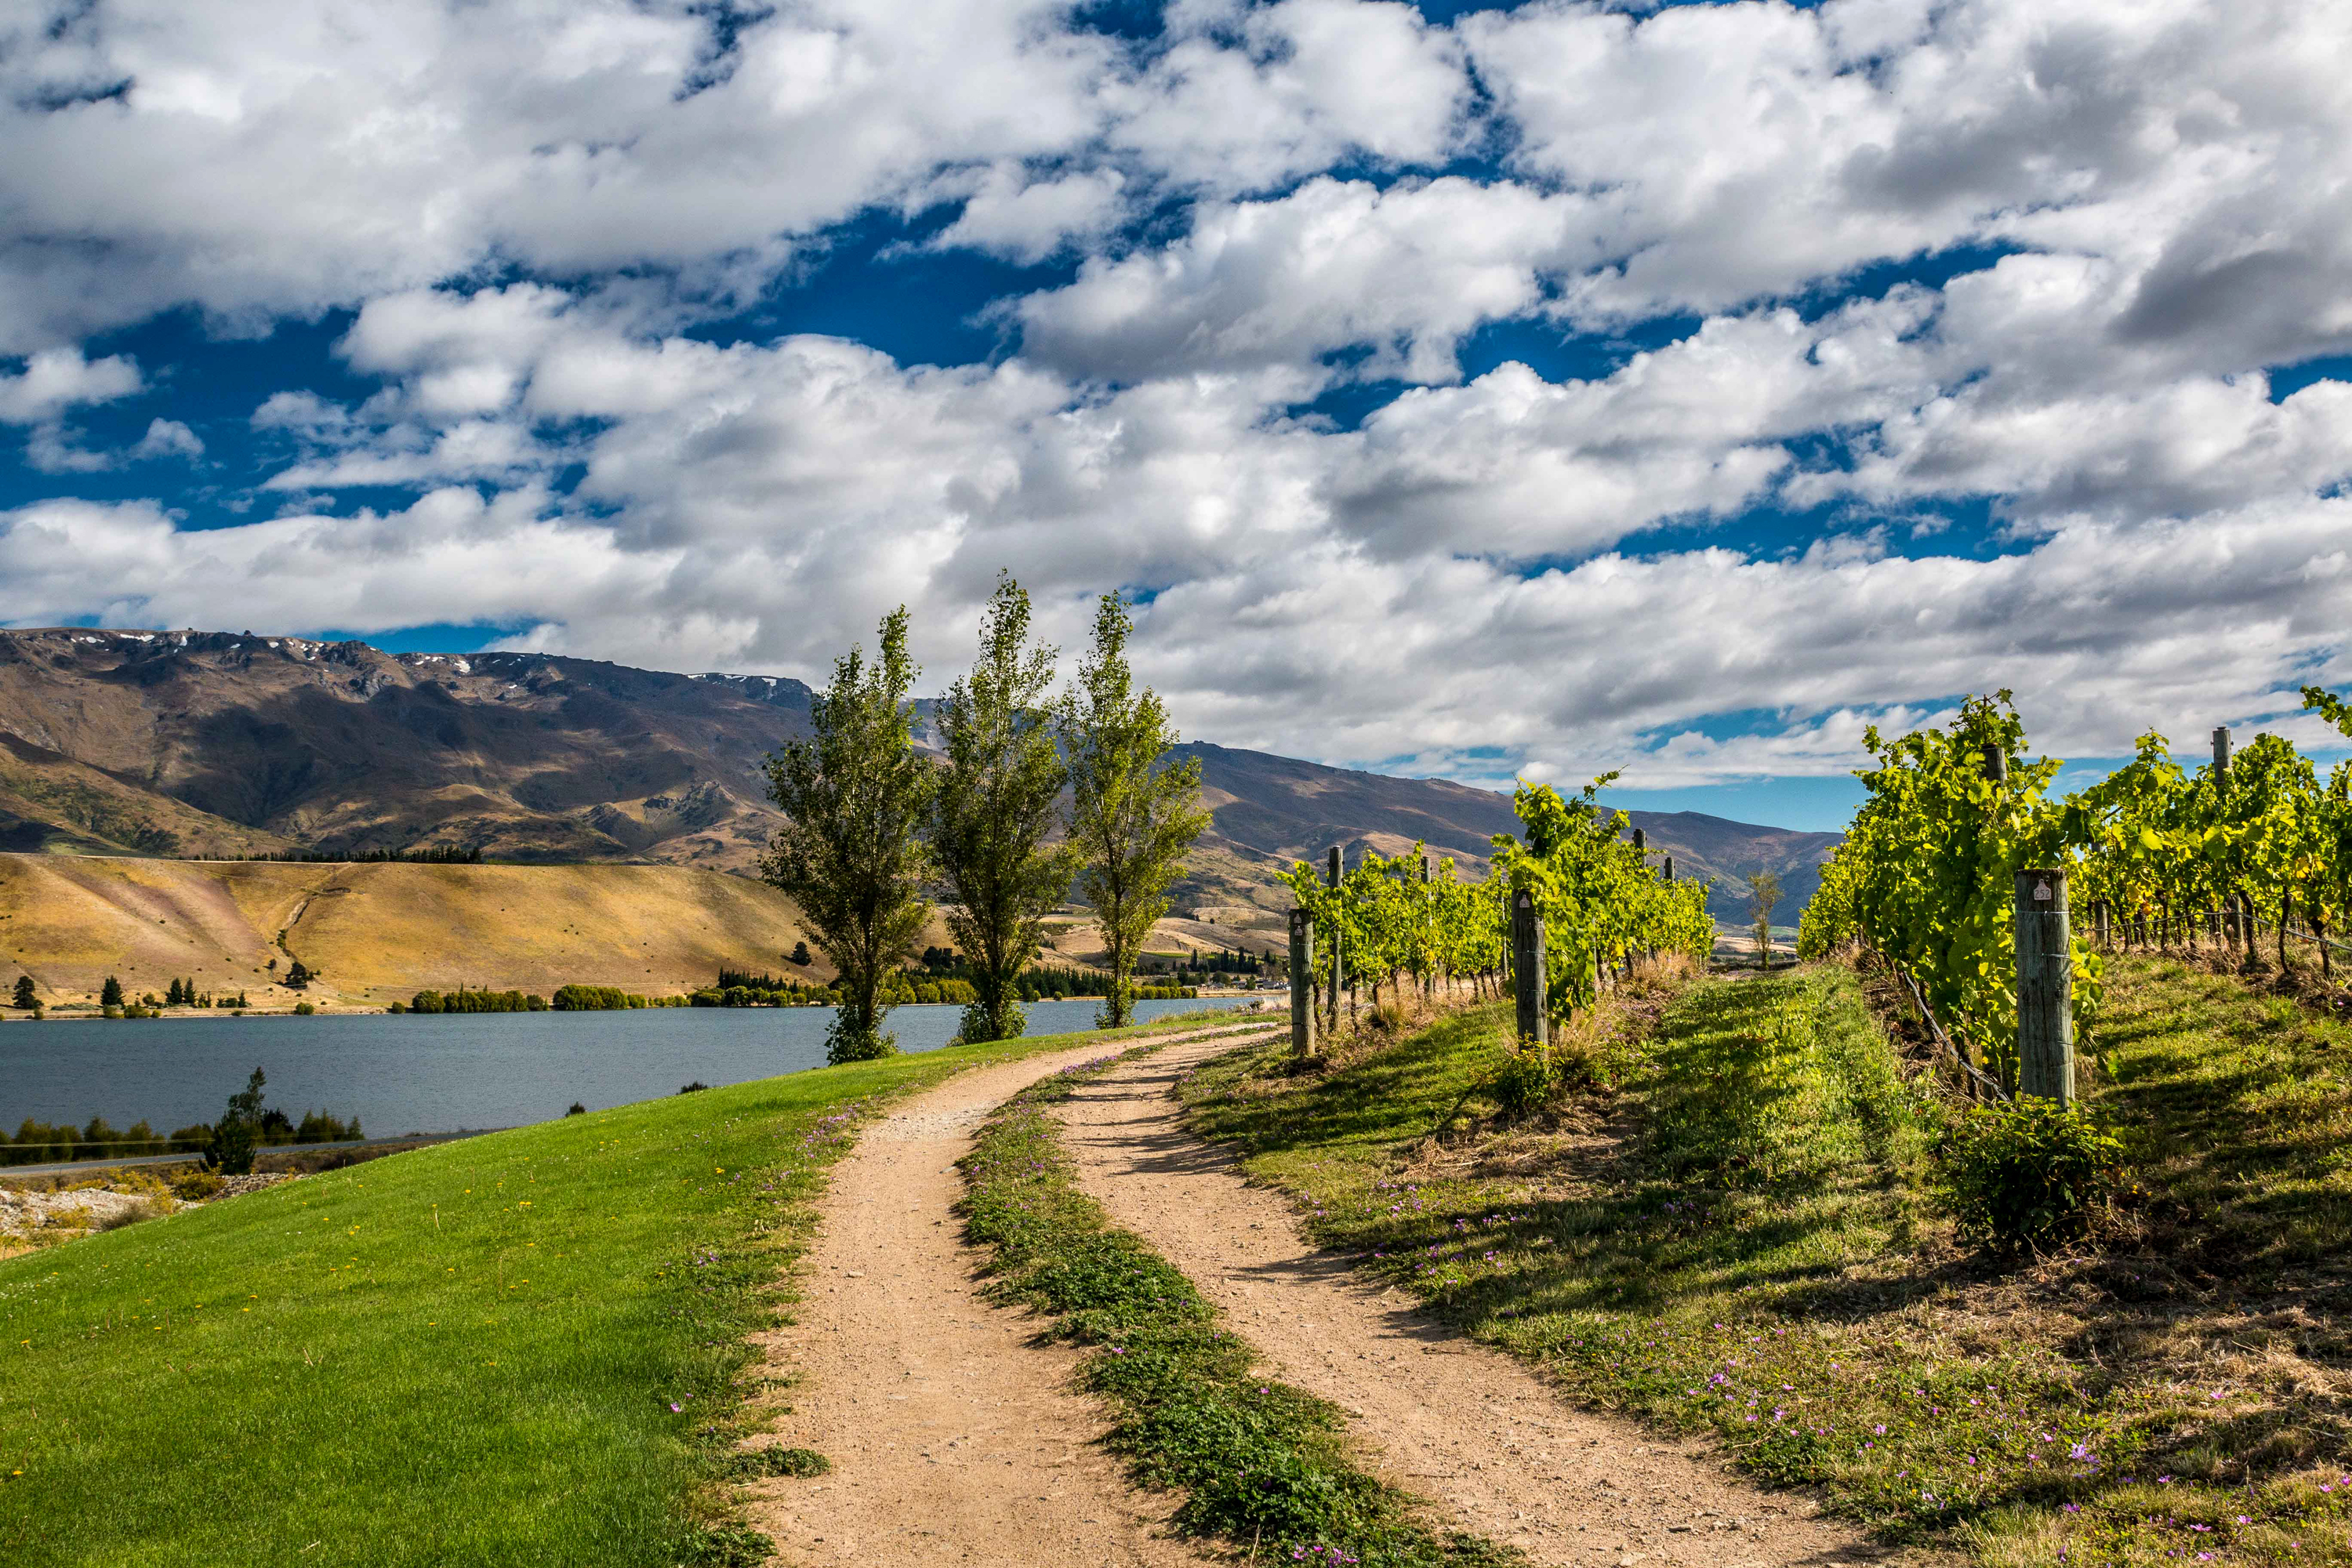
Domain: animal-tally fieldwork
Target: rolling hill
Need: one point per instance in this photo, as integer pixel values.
(379, 933)
(188, 745)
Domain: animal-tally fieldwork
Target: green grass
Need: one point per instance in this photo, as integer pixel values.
(525, 1348)
(1260, 1464)
(1745, 1241)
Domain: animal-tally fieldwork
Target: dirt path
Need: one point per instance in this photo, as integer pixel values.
(1454, 1421)
(953, 1439)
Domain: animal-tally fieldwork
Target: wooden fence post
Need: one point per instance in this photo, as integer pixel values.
(1527, 965)
(2045, 987)
(2230, 922)
(2104, 929)
(1338, 951)
(1302, 984)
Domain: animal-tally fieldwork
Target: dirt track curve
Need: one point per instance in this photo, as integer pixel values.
(953, 1437)
(1463, 1424)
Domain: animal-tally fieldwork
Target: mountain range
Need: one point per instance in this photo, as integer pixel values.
(210, 744)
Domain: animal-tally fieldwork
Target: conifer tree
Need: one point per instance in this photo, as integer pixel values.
(240, 1128)
(857, 796)
(1132, 818)
(994, 807)
(25, 998)
(111, 993)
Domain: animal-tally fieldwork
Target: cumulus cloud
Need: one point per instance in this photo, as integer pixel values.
(167, 439)
(1402, 275)
(1863, 261)
(58, 379)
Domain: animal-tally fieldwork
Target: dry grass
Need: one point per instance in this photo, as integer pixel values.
(381, 932)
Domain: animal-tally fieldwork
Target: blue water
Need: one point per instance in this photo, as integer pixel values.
(437, 1074)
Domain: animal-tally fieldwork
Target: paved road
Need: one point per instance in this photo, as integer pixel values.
(90, 1167)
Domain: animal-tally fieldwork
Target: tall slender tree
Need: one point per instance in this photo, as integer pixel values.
(1132, 816)
(857, 796)
(1763, 893)
(995, 804)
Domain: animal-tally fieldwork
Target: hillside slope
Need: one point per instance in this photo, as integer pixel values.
(377, 932)
(1270, 811)
(207, 743)
(210, 743)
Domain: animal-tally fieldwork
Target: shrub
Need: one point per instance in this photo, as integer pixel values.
(2023, 1176)
(1526, 1079)
(303, 1009)
(845, 1042)
(194, 1187)
(595, 999)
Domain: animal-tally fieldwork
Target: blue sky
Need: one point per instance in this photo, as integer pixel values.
(1479, 391)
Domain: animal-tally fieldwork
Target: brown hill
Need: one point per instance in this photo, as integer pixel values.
(1271, 811)
(205, 742)
(177, 743)
(378, 933)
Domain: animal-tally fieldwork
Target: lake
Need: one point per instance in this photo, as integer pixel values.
(438, 1073)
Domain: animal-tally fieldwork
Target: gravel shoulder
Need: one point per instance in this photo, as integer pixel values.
(954, 1436)
(1470, 1428)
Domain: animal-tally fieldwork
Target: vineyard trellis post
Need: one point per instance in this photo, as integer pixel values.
(1527, 964)
(1302, 984)
(1338, 950)
(2232, 924)
(2045, 974)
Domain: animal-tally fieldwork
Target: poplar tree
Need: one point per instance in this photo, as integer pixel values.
(857, 796)
(1764, 891)
(1132, 816)
(995, 804)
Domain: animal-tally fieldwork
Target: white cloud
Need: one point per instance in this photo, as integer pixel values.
(58, 379)
(1403, 274)
(528, 207)
(1029, 220)
(168, 438)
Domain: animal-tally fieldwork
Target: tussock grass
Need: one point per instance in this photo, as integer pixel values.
(525, 1348)
(1260, 1464)
(1743, 1239)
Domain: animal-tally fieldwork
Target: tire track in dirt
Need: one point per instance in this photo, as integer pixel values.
(1464, 1425)
(953, 1436)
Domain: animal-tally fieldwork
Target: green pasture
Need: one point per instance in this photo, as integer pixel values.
(524, 1348)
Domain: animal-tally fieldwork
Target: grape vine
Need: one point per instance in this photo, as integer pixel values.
(1925, 876)
(1601, 902)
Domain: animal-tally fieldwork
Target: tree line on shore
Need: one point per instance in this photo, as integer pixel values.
(38, 1143)
(872, 825)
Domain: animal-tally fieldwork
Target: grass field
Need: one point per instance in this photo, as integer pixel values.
(1743, 1238)
(522, 1348)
